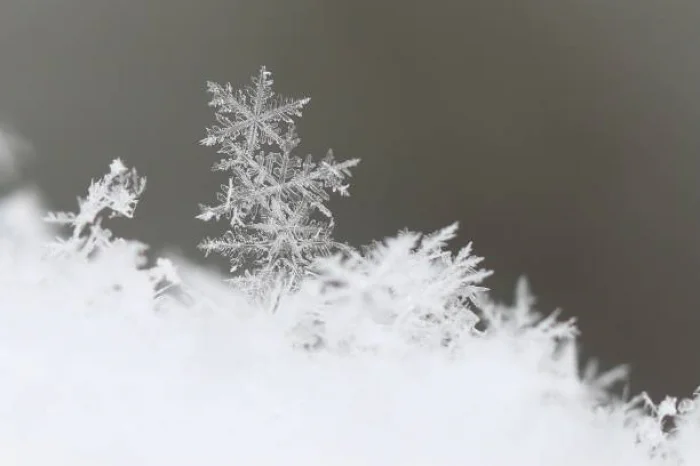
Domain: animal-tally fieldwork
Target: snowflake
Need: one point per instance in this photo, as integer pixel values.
(117, 193)
(274, 201)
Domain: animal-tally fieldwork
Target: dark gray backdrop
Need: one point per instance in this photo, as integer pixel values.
(562, 134)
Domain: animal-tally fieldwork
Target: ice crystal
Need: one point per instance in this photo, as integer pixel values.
(109, 269)
(115, 194)
(274, 201)
(411, 286)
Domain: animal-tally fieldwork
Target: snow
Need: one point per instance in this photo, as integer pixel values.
(219, 383)
(185, 390)
(375, 359)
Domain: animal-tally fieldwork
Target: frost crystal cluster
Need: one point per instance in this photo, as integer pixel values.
(111, 266)
(274, 200)
(411, 288)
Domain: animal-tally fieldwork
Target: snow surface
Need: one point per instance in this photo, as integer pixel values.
(99, 365)
(219, 384)
(118, 389)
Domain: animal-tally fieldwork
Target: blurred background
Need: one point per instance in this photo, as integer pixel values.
(561, 134)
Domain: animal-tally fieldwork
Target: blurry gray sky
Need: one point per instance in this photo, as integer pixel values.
(562, 134)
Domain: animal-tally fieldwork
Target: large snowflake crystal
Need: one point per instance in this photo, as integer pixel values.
(274, 200)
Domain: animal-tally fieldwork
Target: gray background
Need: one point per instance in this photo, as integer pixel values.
(562, 134)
